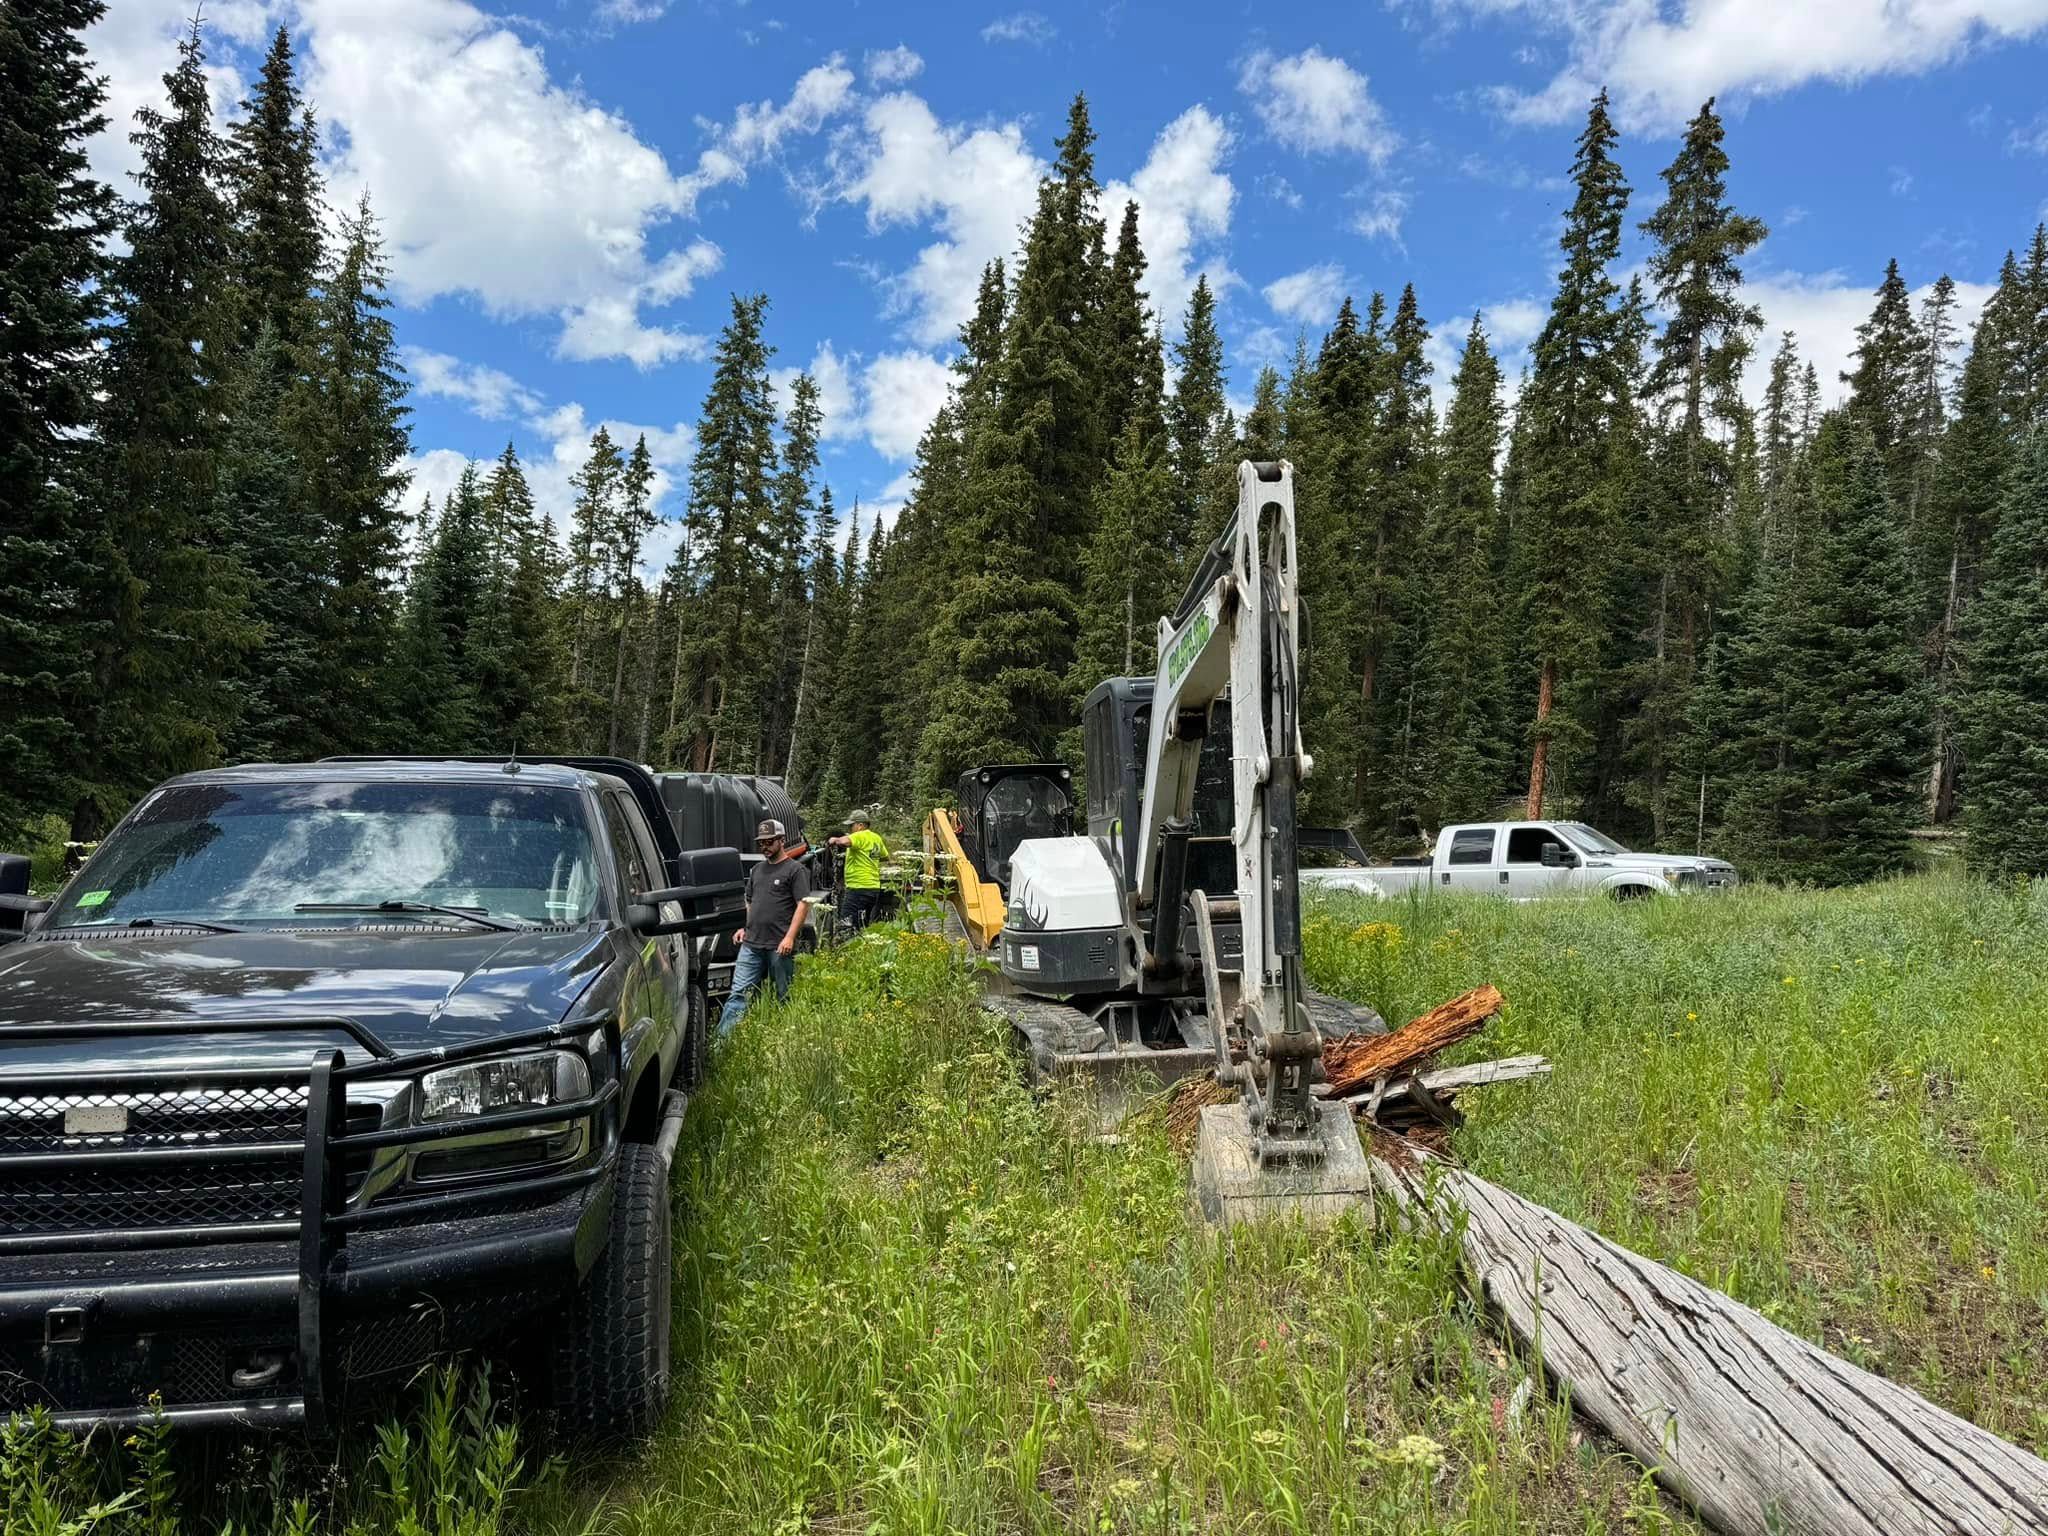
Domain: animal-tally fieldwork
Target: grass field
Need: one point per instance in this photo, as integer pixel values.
(912, 1299)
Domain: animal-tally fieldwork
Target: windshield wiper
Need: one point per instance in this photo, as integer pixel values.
(468, 914)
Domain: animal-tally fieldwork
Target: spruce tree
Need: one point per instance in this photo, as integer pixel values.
(511, 651)
(1403, 474)
(1781, 434)
(633, 520)
(1461, 683)
(167, 596)
(273, 175)
(1890, 361)
(357, 479)
(795, 503)
(281, 556)
(1695, 383)
(1131, 364)
(1576, 390)
(52, 301)
(589, 596)
(824, 629)
(2004, 704)
(732, 479)
(1195, 418)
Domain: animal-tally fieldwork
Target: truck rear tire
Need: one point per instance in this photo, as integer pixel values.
(610, 1364)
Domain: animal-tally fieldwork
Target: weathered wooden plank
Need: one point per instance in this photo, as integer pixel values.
(1508, 1069)
(1758, 1430)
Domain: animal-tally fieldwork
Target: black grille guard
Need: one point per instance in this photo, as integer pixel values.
(323, 1223)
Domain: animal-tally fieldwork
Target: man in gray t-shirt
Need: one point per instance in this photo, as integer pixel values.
(778, 898)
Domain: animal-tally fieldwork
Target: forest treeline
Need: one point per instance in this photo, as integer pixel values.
(1789, 634)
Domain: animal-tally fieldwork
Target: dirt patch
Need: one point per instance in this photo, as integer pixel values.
(1668, 1193)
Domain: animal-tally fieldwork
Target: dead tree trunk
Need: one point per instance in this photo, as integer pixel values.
(1757, 1429)
(1539, 762)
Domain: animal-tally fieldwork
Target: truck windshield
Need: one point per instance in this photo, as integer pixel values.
(242, 853)
(1589, 840)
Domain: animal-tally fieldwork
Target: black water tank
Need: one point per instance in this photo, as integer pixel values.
(721, 810)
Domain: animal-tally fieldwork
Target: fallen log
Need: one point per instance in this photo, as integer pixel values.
(1352, 1063)
(1758, 1430)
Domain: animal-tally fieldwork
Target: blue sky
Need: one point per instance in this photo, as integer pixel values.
(573, 188)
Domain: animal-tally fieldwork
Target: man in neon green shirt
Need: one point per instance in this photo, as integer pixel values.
(865, 851)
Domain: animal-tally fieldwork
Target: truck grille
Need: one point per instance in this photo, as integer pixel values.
(221, 1116)
(133, 1197)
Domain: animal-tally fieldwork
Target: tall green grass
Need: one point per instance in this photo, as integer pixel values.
(912, 1298)
(1831, 1105)
(916, 1300)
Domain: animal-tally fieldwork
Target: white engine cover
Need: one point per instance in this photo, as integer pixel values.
(1061, 883)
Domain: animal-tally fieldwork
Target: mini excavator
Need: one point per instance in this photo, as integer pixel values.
(1166, 940)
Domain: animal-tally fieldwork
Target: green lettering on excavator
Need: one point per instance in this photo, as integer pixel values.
(1187, 647)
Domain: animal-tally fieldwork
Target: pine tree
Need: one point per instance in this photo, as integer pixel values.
(795, 504)
(1132, 367)
(1403, 474)
(52, 301)
(438, 700)
(824, 628)
(274, 176)
(732, 478)
(168, 597)
(2004, 705)
(512, 652)
(1461, 683)
(1825, 699)
(633, 520)
(1695, 382)
(1889, 363)
(282, 556)
(1195, 418)
(1576, 390)
(589, 597)
(1782, 440)
(358, 477)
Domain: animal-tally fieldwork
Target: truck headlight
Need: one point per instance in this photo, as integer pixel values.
(483, 1088)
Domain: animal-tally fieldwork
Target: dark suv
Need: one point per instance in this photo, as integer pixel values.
(316, 1071)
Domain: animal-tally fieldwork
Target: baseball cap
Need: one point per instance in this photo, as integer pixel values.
(859, 818)
(768, 829)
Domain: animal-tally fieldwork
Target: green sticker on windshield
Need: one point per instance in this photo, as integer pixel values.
(93, 898)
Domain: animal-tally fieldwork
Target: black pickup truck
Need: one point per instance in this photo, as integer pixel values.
(315, 1072)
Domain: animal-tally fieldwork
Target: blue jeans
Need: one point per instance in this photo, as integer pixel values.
(754, 961)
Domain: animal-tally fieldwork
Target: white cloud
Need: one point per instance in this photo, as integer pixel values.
(488, 392)
(1511, 325)
(1184, 197)
(1823, 311)
(1280, 189)
(1020, 27)
(2033, 139)
(496, 180)
(434, 474)
(978, 186)
(629, 11)
(1380, 218)
(1660, 66)
(903, 391)
(892, 66)
(1310, 295)
(1317, 104)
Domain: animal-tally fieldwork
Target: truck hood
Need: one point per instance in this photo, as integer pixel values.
(1656, 863)
(413, 989)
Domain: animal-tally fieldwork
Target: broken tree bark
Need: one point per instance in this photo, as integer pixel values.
(1352, 1063)
(1450, 1080)
(1755, 1428)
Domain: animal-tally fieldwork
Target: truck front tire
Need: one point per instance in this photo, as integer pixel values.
(610, 1364)
(696, 1063)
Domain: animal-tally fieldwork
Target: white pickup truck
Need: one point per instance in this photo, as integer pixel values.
(1523, 860)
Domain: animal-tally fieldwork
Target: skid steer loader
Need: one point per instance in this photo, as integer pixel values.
(967, 852)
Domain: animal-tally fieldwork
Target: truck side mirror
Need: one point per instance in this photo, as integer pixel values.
(707, 874)
(1554, 856)
(16, 905)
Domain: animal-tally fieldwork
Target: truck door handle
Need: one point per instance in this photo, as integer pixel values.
(1447, 877)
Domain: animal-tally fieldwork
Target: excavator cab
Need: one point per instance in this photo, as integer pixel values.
(1003, 804)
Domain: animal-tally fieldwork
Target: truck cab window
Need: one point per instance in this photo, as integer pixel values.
(1525, 844)
(1472, 847)
(633, 864)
